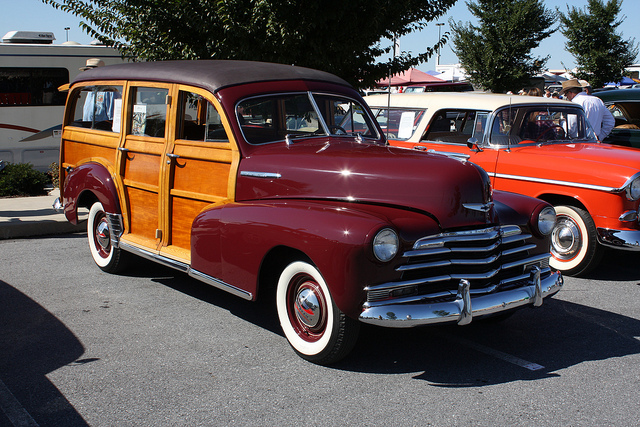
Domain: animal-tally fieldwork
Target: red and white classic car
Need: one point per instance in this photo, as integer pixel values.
(251, 176)
(534, 146)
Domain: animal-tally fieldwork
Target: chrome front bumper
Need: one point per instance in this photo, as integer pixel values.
(620, 239)
(464, 308)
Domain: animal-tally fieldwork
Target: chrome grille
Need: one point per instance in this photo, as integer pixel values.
(491, 259)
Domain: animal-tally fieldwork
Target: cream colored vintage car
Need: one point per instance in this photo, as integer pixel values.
(535, 146)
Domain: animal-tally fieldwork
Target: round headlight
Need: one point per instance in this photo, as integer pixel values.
(633, 189)
(546, 220)
(385, 244)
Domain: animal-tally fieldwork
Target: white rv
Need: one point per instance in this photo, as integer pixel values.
(32, 68)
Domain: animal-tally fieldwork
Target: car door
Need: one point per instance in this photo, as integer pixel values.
(450, 131)
(199, 164)
(140, 162)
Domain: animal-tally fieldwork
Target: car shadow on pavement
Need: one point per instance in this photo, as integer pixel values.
(33, 343)
(555, 336)
(617, 265)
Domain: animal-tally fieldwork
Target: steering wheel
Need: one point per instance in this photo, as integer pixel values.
(552, 128)
(337, 130)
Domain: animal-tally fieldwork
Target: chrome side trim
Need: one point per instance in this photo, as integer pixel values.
(464, 308)
(220, 284)
(255, 174)
(168, 262)
(556, 182)
(185, 268)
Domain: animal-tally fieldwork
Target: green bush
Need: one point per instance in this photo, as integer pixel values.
(20, 179)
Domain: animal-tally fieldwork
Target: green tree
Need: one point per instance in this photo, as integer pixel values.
(601, 54)
(342, 37)
(497, 52)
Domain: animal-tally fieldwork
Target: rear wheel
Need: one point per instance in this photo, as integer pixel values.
(314, 326)
(108, 258)
(574, 242)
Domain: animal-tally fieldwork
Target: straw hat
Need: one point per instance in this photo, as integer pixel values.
(570, 84)
(92, 63)
(584, 83)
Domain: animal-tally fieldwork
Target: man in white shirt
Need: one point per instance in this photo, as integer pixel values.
(598, 114)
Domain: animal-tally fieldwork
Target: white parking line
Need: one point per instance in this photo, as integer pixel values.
(18, 416)
(498, 354)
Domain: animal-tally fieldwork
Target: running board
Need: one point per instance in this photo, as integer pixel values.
(186, 268)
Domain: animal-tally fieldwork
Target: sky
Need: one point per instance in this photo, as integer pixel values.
(33, 15)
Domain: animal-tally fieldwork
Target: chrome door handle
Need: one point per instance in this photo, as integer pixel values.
(172, 156)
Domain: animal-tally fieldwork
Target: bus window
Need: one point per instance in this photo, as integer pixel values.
(32, 86)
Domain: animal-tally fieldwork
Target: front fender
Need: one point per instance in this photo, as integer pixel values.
(92, 177)
(523, 211)
(230, 242)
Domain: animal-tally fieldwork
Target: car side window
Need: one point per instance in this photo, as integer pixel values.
(149, 111)
(455, 126)
(399, 123)
(98, 107)
(199, 120)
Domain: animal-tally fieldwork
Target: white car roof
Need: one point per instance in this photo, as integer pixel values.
(465, 100)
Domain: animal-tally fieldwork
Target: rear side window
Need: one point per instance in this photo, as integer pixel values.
(98, 107)
(149, 111)
(399, 123)
(456, 126)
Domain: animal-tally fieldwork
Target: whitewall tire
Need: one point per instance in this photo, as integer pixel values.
(574, 242)
(314, 326)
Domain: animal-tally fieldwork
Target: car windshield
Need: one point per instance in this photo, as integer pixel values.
(278, 117)
(539, 123)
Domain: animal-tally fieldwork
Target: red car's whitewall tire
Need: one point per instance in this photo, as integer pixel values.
(574, 242)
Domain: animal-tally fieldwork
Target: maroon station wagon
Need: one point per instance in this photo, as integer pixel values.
(253, 177)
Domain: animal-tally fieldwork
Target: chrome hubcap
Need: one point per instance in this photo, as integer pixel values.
(102, 234)
(566, 239)
(307, 307)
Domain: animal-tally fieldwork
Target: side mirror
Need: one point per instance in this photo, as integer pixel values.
(472, 143)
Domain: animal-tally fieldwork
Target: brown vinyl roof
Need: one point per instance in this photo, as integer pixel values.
(212, 75)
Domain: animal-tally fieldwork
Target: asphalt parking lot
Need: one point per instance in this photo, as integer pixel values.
(155, 347)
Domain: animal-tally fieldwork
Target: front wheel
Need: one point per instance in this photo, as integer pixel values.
(314, 326)
(108, 258)
(574, 241)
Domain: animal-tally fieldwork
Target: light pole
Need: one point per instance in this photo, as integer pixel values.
(439, 25)
(67, 30)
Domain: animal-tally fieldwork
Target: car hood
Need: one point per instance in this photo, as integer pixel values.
(343, 170)
(587, 163)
